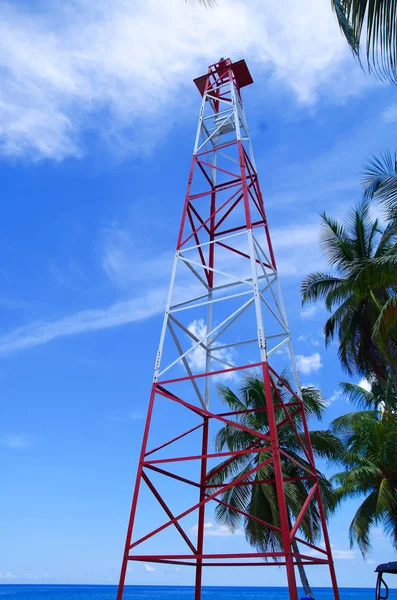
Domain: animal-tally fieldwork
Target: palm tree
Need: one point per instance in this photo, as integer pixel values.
(380, 183)
(357, 291)
(261, 500)
(370, 461)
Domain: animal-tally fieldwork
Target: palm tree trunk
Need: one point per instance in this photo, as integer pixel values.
(302, 573)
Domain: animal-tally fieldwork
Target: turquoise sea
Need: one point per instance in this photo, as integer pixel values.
(108, 592)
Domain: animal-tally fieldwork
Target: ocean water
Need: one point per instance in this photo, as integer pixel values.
(108, 592)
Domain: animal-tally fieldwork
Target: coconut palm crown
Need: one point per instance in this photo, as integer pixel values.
(260, 500)
(369, 461)
(354, 292)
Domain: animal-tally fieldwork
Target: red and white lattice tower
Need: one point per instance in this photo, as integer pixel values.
(224, 315)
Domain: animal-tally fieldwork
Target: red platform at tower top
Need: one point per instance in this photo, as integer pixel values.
(240, 70)
(224, 317)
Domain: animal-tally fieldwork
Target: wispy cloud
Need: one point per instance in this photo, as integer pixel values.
(214, 530)
(390, 114)
(309, 364)
(60, 68)
(125, 268)
(297, 249)
(149, 568)
(197, 357)
(15, 441)
(7, 575)
(335, 396)
(121, 313)
(309, 311)
(337, 553)
(310, 340)
(137, 415)
(126, 263)
(343, 554)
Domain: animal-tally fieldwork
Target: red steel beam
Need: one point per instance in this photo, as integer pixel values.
(172, 475)
(206, 456)
(168, 511)
(302, 511)
(175, 439)
(196, 506)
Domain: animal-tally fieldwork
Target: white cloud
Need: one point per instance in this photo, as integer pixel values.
(211, 529)
(390, 114)
(136, 415)
(335, 396)
(309, 340)
(126, 263)
(7, 575)
(309, 311)
(197, 357)
(121, 313)
(15, 441)
(337, 553)
(149, 568)
(306, 255)
(364, 383)
(343, 554)
(309, 364)
(127, 60)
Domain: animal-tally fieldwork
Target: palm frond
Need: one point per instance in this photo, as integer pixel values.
(336, 243)
(313, 400)
(260, 499)
(363, 520)
(388, 240)
(346, 27)
(326, 445)
(343, 426)
(335, 320)
(380, 179)
(376, 273)
(359, 227)
(377, 18)
(358, 396)
(317, 286)
(386, 324)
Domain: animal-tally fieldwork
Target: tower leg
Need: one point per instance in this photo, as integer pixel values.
(135, 496)
(322, 515)
(328, 547)
(278, 475)
(201, 514)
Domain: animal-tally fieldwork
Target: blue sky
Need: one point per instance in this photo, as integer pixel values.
(97, 121)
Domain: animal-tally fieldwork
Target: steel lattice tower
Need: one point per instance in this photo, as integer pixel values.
(224, 316)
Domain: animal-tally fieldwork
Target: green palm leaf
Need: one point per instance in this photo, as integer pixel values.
(363, 259)
(378, 20)
(260, 499)
(358, 395)
(380, 180)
